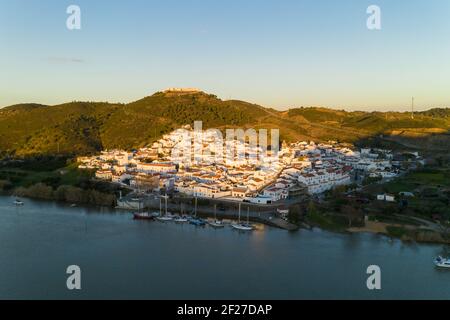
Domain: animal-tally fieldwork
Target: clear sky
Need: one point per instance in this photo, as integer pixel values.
(280, 54)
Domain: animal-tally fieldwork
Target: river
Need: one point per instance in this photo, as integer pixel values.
(125, 259)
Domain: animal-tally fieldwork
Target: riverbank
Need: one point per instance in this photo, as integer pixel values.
(406, 233)
(56, 179)
(420, 233)
(67, 194)
(419, 213)
(402, 227)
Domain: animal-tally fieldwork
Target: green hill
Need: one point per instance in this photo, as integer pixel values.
(85, 127)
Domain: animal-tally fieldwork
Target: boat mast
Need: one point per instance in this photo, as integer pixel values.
(166, 203)
(239, 213)
(195, 213)
(160, 206)
(248, 215)
(215, 212)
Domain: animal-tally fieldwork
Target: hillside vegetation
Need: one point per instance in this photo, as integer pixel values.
(86, 127)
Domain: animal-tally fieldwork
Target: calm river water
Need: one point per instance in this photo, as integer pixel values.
(125, 259)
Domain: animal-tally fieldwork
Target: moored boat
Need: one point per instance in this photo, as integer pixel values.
(442, 262)
(243, 226)
(180, 219)
(17, 202)
(143, 216)
(167, 216)
(164, 218)
(194, 220)
(197, 222)
(216, 223)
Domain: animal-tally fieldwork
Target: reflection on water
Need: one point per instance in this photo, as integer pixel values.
(122, 258)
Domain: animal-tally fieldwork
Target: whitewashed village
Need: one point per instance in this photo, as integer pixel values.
(302, 168)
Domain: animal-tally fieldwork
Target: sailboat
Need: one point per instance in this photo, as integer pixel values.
(196, 221)
(156, 214)
(18, 202)
(216, 223)
(166, 216)
(243, 226)
(142, 215)
(181, 218)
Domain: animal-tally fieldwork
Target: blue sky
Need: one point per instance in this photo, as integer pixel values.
(276, 53)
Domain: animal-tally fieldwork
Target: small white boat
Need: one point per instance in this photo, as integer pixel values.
(156, 214)
(164, 218)
(179, 219)
(17, 202)
(216, 224)
(243, 226)
(442, 262)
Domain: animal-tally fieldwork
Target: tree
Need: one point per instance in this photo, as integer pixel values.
(294, 214)
(339, 190)
(312, 210)
(5, 185)
(40, 191)
(352, 213)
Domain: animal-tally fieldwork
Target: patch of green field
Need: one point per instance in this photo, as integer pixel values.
(431, 178)
(413, 180)
(69, 175)
(394, 219)
(328, 221)
(397, 186)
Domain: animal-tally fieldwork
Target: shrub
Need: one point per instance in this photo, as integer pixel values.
(5, 185)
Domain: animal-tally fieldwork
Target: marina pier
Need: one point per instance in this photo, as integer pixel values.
(265, 214)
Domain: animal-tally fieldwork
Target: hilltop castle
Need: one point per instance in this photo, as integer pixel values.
(182, 90)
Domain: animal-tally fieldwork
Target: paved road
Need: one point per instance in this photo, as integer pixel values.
(426, 223)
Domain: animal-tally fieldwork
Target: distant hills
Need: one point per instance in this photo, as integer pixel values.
(86, 127)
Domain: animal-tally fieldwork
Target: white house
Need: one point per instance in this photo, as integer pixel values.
(156, 167)
(259, 200)
(239, 192)
(386, 197)
(210, 191)
(276, 194)
(119, 178)
(104, 175)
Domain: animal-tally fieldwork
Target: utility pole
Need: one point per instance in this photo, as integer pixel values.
(412, 108)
